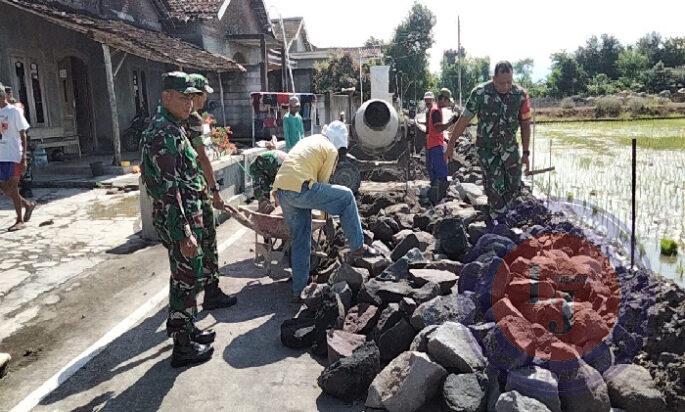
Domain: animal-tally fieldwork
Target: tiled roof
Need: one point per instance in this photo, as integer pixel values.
(148, 44)
(193, 9)
(291, 26)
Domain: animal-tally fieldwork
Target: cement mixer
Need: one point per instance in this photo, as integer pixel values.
(379, 137)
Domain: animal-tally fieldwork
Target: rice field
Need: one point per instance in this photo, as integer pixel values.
(593, 172)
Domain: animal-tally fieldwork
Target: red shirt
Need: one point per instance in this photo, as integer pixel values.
(434, 138)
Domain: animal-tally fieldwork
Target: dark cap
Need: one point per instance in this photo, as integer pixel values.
(201, 83)
(178, 81)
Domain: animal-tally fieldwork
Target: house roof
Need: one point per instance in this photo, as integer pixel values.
(193, 9)
(292, 26)
(148, 44)
(188, 10)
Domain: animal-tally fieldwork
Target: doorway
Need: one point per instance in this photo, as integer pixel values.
(77, 101)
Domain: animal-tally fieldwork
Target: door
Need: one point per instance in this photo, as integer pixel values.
(83, 104)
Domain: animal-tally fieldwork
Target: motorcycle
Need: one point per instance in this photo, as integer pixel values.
(131, 137)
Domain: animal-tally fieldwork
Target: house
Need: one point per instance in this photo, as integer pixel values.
(85, 68)
(305, 57)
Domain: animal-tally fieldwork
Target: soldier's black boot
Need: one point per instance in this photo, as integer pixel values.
(215, 298)
(203, 337)
(186, 352)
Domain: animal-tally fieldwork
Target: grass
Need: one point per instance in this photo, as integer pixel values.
(666, 134)
(669, 247)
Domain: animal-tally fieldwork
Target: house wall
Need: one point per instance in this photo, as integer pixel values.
(46, 47)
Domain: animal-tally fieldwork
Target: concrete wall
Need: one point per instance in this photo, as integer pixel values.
(47, 46)
(229, 170)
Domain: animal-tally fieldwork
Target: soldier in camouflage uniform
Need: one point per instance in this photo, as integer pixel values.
(172, 178)
(198, 133)
(502, 107)
(263, 172)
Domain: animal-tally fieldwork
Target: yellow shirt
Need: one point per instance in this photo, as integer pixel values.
(312, 160)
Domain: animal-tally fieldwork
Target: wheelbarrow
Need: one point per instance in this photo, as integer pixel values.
(273, 240)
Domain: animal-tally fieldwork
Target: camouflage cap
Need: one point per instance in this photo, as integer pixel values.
(200, 82)
(178, 81)
(2, 89)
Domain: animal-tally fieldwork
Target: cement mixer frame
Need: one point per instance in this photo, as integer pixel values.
(379, 138)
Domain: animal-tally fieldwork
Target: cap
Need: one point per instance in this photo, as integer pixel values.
(337, 133)
(2, 90)
(294, 101)
(200, 82)
(429, 95)
(445, 93)
(178, 81)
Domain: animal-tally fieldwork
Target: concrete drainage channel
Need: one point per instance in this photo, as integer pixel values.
(466, 315)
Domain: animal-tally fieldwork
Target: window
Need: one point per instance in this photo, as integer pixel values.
(22, 92)
(140, 93)
(37, 94)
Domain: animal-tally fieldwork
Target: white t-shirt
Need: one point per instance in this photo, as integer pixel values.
(12, 121)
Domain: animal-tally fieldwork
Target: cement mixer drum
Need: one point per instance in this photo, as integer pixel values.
(376, 126)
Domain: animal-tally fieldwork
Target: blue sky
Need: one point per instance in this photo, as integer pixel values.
(495, 28)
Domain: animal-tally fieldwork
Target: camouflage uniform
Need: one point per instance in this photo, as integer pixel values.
(263, 172)
(499, 118)
(172, 178)
(198, 139)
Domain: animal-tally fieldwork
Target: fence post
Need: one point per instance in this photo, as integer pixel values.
(634, 187)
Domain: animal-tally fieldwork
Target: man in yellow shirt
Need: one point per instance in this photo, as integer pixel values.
(301, 186)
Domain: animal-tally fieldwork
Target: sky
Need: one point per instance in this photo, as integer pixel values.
(502, 30)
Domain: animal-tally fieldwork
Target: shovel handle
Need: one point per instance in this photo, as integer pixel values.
(540, 171)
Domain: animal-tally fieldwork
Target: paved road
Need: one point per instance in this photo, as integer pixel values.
(250, 371)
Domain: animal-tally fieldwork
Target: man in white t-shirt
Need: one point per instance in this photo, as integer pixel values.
(13, 162)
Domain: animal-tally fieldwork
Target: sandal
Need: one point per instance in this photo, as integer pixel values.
(29, 212)
(17, 227)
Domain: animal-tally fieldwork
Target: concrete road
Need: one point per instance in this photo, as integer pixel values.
(117, 307)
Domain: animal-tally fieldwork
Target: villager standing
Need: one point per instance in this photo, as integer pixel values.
(198, 133)
(436, 163)
(293, 125)
(502, 107)
(13, 158)
(172, 177)
(26, 177)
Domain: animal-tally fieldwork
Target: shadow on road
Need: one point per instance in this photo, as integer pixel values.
(117, 359)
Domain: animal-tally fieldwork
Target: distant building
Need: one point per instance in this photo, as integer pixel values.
(56, 55)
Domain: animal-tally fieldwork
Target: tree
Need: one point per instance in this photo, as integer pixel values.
(338, 73)
(475, 70)
(568, 78)
(673, 52)
(523, 72)
(650, 46)
(374, 42)
(631, 63)
(601, 85)
(600, 55)
(409, 47)
(658, 78)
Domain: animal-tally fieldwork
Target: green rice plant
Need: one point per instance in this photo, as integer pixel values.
(669, 247)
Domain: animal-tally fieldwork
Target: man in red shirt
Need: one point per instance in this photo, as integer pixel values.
(436, 145)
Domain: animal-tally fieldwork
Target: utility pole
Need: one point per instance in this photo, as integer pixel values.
(459, 57)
